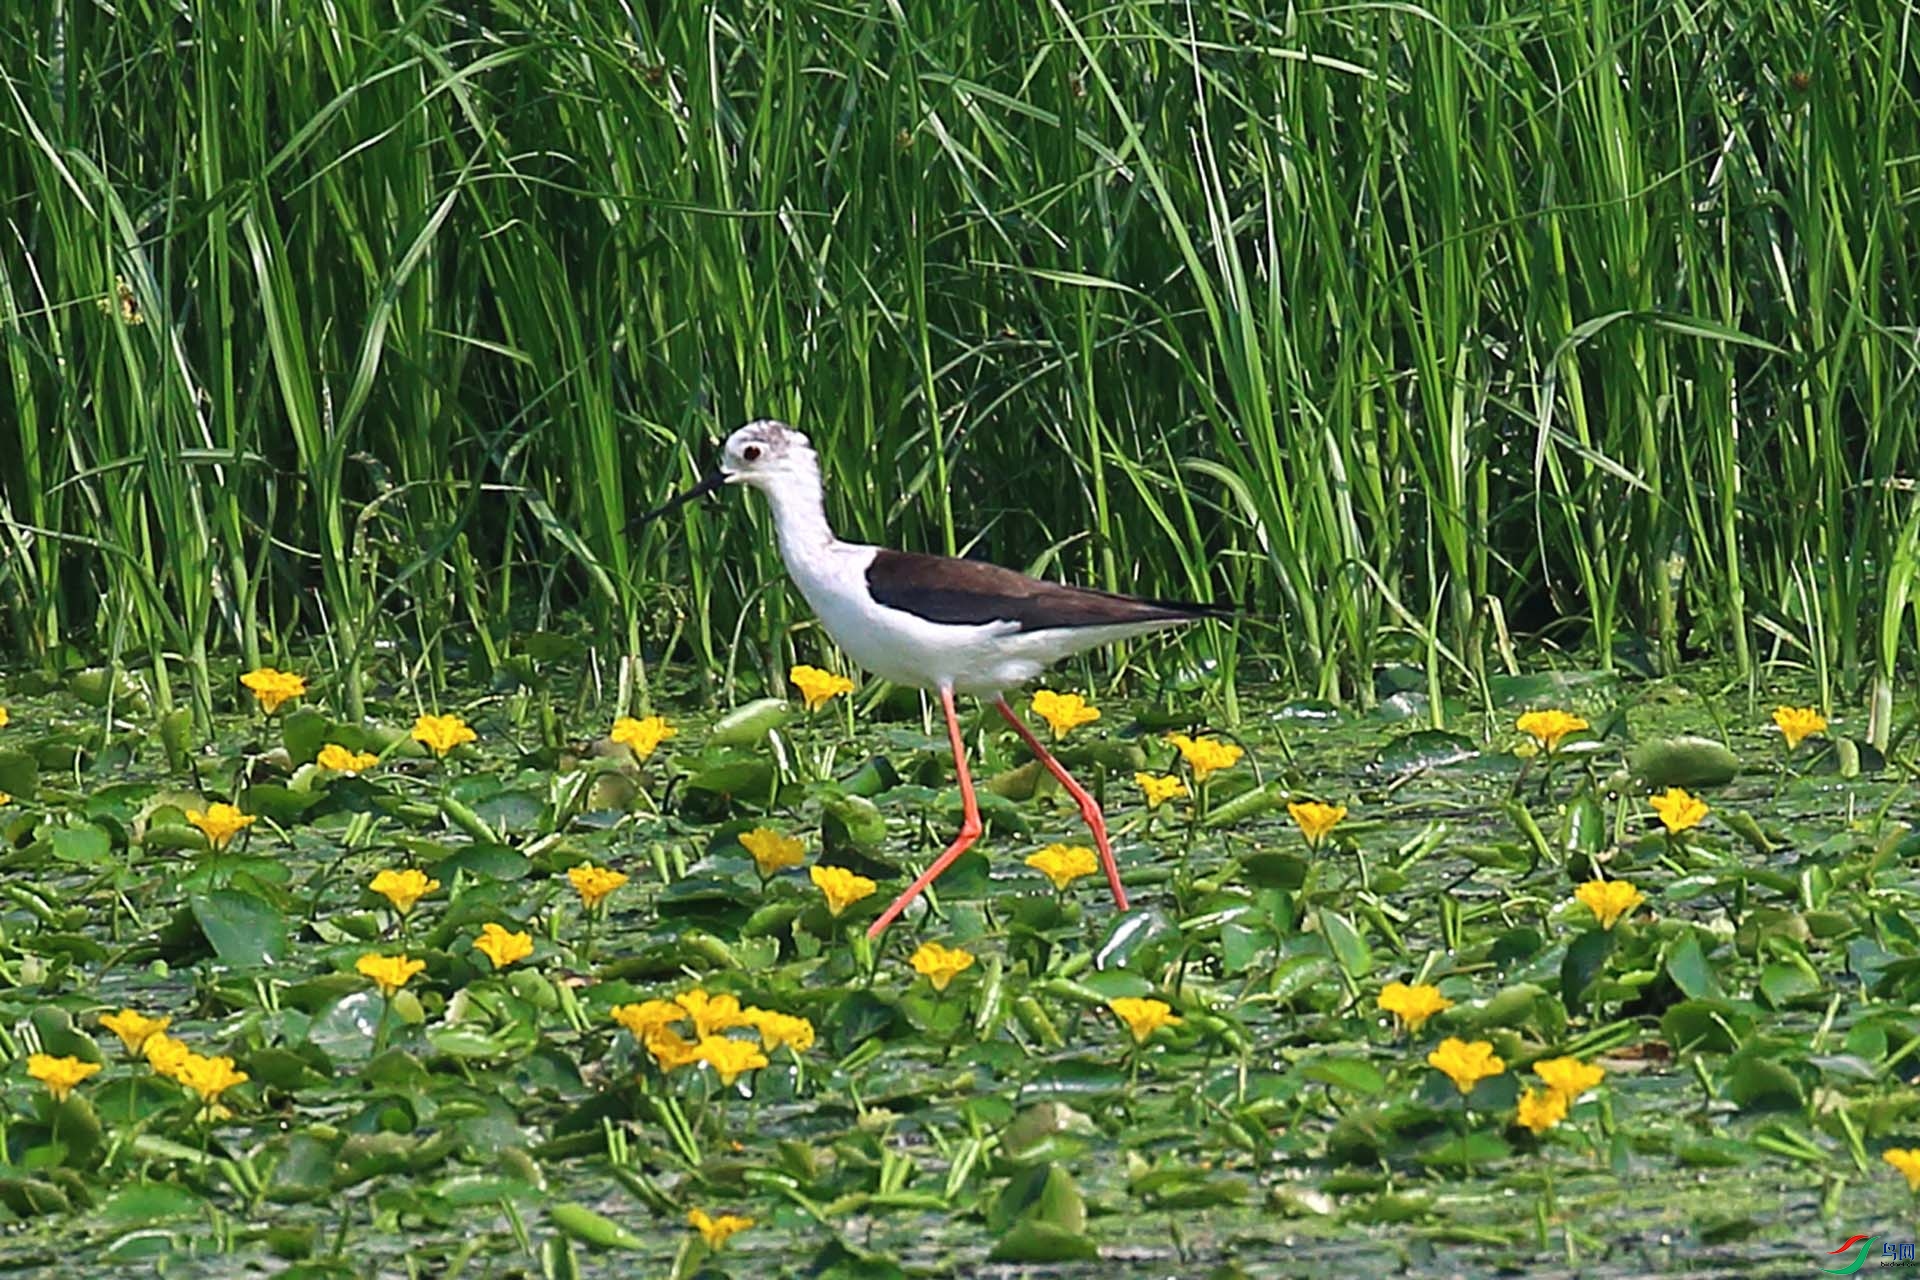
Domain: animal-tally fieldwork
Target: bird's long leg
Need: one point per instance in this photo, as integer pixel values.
(969, 824)
(1089, 808)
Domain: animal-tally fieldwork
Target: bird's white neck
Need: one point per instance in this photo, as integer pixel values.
(800, 515)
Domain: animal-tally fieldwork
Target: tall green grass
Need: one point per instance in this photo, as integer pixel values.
(1408, 326)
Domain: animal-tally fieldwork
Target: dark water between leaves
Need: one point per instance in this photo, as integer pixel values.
(1755, 1016)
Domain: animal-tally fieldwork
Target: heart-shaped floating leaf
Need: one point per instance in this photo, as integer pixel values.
(1424, 749)
(245, 932)
(747, 724)
(1684, 761)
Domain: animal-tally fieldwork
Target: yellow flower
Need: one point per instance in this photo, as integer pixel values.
(1548, 727)
(209, 1077)
(593, 884)
(842, 887)
(730, 1059)
(1608, 900)
(1315, 820)
(717, 1231)
(502, 946)
(940, 965)
(772, 851)
(643, 736)
(1798, 724)
(1159, 787)
(5, 798)
(165, 1054)
(134, 1029)
(271, 688)
(59, 1074)
(1063, 864)
(4, 717)
(1465, 1064)
(220, 823)
(1063, 712)
(337, 758)
(1541, 1110)
(1413, 1005)
(1569, 1077)
(712, 1014)
(1907, 1161)
(389, 973)
(1679, 810)
(777, 1029)
(670, 1049)
(441, 734)
(403, 888)
(818, 687)
(1205, 755)
(648, 1016)
(1142, 1017)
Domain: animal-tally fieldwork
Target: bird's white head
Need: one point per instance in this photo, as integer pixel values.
(771, 456)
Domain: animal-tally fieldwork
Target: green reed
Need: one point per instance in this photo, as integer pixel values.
(1402, 327)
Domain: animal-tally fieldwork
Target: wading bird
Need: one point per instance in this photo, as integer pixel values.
(933, 622)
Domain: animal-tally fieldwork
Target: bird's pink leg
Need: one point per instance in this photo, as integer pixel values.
(1089, 810)
(969, 825)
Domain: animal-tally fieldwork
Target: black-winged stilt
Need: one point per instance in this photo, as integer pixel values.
(933, 622)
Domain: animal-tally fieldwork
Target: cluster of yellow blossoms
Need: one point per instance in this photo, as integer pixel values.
(657, 1025)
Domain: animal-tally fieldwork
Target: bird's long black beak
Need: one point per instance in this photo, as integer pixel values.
(706, 486)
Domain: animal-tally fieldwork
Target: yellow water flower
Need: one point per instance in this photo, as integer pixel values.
(220, 823)
(1548, 727)
(1159, 788)
(272, 688)
(841, 887)
(389, 973)
(818, 687)
(1316, 820)
(648, 1016)
(60, 1075)
(772, 852)
(1907, 1161)
(1143, 1017)
(1540, 1110)
(1679, 809)
(164, 1053)
(1608, 900)
(403, 888)
(1569, 1077)
(642, 736)
(717, 1231)
(777, 1029)
(730, 1059)
(593, 884)
(502, 946)
(1798, 724)
(940, 965)
(712, 1014)
(1063, 864)
(1205, 755)
(671, 1050)
(441, 734)
(1413, 1005)
(1465, 1063)
(340, 760)
(134, 1029)
(1063, 712)
(209, 1077)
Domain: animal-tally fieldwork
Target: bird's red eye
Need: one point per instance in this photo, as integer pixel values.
(751, 453)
